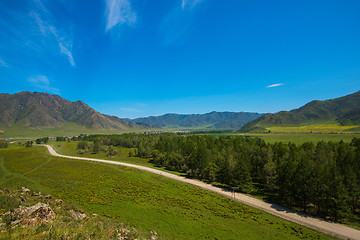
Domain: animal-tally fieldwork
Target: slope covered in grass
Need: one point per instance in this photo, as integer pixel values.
(343, 111)
(148, 202)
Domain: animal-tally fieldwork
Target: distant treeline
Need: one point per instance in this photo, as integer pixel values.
(321, 179)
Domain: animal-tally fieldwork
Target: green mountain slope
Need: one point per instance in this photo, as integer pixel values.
(42, 110)
(213, 120)
(344, 111)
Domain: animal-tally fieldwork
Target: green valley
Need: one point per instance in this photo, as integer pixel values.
(138, 199)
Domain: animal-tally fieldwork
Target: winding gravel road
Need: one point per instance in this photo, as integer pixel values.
(300, 218)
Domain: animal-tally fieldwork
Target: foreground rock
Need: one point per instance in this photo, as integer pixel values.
(25, 214)
(38, 213)
(77, 215)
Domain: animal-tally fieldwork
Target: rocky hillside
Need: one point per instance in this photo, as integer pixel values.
(344, 110)
(27, 214)
(213, 120)
(36, 110)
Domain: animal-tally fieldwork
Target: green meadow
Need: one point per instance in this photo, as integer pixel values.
(146, 201)
(68, 129)
(314, 128)
(297, 138)
(70, 148)
(300, 138)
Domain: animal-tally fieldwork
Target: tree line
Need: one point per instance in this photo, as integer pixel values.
(322, 179)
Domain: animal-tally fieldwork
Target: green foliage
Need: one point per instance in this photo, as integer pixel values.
(112, 151)
(3, 144)
(96, 147)
(321, 179)
(28, 143)
(60, 139)
(44, 140)
(8, 202)
(83, 145)
(173, 209)
(64, 226)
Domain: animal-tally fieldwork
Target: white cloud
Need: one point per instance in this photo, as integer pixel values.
(3, 63)
(119, 12)
(178, 22)
(42, 27)
(43, 83)
(66, 51)
(47, 29)
(275, 85)
(189, 3)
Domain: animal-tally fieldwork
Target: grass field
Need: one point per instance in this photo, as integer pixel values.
(297, 138)
(69, 129)
(64, 226)
(148, 202)
(313, 128)
(69, 148)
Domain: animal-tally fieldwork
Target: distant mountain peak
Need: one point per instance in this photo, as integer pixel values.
(34, 109)
(343, 110)
(212, 120)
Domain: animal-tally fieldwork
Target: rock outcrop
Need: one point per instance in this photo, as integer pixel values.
(38, 213)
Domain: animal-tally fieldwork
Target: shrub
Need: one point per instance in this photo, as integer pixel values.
(3, 144)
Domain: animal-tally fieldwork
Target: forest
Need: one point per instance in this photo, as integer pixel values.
(321, 179)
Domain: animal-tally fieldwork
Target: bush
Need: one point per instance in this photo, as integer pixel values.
(3, 144)
(111, 151)
(42, 140)
(83, 145)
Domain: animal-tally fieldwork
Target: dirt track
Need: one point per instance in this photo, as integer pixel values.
(303, 219)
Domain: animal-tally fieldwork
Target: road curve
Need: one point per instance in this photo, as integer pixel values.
(334, 229)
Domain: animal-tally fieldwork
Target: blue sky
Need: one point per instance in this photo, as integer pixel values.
(133, 58)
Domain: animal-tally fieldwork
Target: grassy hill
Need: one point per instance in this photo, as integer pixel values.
(33, 111)
(335, 115)
(211, 121)
(143, 200)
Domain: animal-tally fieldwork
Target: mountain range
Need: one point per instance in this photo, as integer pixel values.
(212, 120)
(344, 111)
(34, 110)
(42, 110)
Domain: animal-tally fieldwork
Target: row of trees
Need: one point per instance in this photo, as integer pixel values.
(83, 147)
(42, 140)
(321, 179)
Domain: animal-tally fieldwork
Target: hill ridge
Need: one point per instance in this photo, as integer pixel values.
(344, 110)
(43, 110)
(213, 120)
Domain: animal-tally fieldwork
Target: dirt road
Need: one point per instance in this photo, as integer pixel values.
(303, 219)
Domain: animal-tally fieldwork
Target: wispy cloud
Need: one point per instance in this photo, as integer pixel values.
(275, 85)
(3, 63)
(68, 53)
(43, 83)
(119, 12)
(33, 33)
(178, 21)
(189, 3)
(48, 29)
(142, 104)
